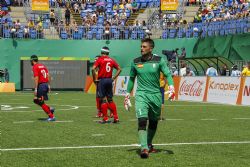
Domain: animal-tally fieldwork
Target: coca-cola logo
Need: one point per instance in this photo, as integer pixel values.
(191, 89)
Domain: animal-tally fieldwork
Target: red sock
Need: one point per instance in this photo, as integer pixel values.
(112, 107)
(47, 110)
(98, 105)
(104, 109)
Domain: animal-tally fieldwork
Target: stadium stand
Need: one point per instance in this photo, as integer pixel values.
(114, 19)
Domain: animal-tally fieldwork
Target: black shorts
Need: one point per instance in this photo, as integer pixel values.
(42, 91)
(105, 88)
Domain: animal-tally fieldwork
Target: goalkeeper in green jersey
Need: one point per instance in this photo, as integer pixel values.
(148, 98)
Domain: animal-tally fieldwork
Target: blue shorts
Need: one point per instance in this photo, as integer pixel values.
(42, 91)
(162, 95)
(105, 88)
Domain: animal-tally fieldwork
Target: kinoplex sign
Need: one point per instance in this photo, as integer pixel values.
(192, 88)
(223, 86)
(223, 89)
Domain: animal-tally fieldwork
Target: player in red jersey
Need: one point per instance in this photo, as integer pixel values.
(104, 81)
(42, 87)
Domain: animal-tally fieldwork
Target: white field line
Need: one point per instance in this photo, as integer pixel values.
(63, 121)
(241, 118)
(174, 119)
(120, 146)
(97, 135)
(22, 122)
(209, 119)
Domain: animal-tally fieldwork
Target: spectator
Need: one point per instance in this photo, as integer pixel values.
(6, 75)
(211, 71)
(67, 16)
(76, 8)
(129, 5)
(224, 71)
(107, 30)
(52, 17)
(235, 72)
(134, 6)
(39, 28)
(174, 71)
(18, 25)
(183, 68)
(246, 70)
(137, 24)
(116, 8)
(26, 32)
(123, 15)
(13, 30)
(183, 54)
(31, 24)
(189, 72)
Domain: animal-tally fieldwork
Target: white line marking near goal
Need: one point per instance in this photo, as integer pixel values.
(208, 119)
(63, 121)
(129, 145)
(174, 119)
(132, 120)
(21, 122)
(241, 118)
(97, 135)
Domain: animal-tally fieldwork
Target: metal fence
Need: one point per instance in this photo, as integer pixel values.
(45, 30)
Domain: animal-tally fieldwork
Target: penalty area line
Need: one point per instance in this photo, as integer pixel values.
(129, 145)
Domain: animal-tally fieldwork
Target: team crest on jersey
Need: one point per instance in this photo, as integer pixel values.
(154, 65)
(140, 65)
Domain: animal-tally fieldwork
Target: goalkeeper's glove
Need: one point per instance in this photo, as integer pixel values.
(171, 93)
(127, 103)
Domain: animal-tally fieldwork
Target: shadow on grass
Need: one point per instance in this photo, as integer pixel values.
(138, 151)
(42, 119)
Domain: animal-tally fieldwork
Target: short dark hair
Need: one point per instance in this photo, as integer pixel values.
(34, 58)
(150, 41)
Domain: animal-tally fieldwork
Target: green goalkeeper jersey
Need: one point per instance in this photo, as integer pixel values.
(148, 74)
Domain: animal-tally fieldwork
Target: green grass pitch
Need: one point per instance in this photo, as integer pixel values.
(187, 124)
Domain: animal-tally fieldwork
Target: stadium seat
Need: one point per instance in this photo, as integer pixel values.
(133, 35)
(99, 34)
(33, 34)
(143, 3)
(6, 33)
(89, 35)
(77, 35)
(164, 34)
(141, 34)
(20, 34)
(64, 35)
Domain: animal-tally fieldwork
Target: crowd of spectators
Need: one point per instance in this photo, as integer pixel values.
(219, 10)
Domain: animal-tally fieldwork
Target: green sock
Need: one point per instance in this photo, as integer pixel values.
(143, 139)
(151, 134)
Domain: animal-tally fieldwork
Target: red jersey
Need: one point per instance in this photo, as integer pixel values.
(41, 71)
(105, 64)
